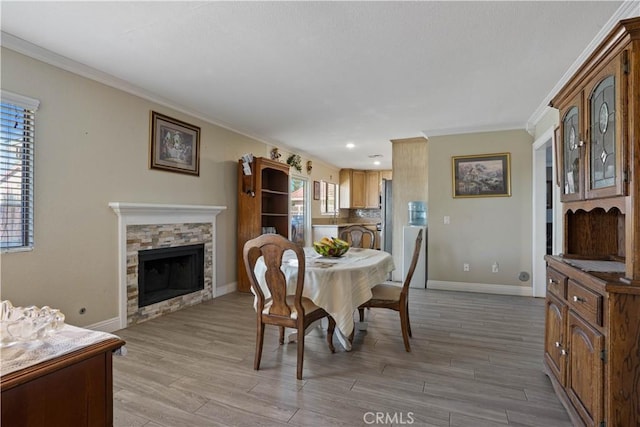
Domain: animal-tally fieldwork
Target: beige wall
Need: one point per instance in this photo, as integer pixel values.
(482, 230)
(92, 148)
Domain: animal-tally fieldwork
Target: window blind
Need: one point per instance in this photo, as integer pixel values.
(17, 115)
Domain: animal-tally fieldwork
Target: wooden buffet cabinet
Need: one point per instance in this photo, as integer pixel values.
(263, 201)
(74, 389)
(592, 333)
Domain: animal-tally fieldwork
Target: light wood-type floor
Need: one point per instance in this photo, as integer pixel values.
(476, 361)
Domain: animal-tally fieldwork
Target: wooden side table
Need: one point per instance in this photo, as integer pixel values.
(74, 389)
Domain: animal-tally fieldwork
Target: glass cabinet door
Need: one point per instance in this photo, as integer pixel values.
(572, 165)
(605, 158)
(602, 165)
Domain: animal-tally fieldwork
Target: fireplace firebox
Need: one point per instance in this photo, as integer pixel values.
(165, 273)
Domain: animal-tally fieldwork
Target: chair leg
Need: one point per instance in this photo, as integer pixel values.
(259, 341)
(404, 325)
(408, 323)
(281, 335)
(300, 353)
(361, 312)
(330, 329)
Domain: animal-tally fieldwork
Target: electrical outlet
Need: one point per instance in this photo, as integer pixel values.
(494, 267)
(465, 267)
(447, 219)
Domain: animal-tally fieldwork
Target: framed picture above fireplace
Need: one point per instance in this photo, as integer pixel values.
(174, 145)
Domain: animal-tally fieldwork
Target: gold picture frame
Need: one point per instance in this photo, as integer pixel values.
(174, 145)
(481, 175)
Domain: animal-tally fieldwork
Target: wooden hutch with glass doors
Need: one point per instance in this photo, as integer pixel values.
(592, 332)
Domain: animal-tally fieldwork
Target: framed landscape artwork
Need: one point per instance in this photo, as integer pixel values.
(316, 190)
(482, 175)
(175, 145)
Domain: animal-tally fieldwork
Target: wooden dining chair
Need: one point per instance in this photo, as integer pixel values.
(354, 235)
(280, 309)
(390, 295)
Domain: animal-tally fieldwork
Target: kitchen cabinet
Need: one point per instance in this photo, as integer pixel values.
(592, 323)
(360, 189)
(263, 206)
(372, 189)
(352, 189)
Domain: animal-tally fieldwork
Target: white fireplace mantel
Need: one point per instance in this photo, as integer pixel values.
(153, 213)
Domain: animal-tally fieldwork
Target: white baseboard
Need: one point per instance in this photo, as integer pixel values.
(109, 325)
(226, 289)
(485, 288)
(112, 325)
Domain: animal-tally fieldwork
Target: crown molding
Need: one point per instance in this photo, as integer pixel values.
(628, 9)
(473, 129)
(31, 50)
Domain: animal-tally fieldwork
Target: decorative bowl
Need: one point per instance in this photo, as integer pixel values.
(331, 247)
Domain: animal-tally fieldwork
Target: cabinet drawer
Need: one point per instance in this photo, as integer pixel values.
(556, 283)
(585, 302)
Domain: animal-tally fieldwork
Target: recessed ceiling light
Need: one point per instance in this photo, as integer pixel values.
(350, 145)
(377, 162)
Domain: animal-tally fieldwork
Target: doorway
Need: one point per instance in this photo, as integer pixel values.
(547, 221)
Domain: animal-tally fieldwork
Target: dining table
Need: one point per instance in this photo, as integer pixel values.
(339, 285)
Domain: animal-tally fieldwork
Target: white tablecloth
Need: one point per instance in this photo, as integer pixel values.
(338, 285)
(28, 353)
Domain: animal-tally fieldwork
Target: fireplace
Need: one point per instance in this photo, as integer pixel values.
(166, 273)
(145, 226)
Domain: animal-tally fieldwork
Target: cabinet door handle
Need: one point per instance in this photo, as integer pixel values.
(578, 299)
(564, 352)
(551, 281)
(557, 344)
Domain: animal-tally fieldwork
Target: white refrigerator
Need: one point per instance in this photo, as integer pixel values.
(409, 235)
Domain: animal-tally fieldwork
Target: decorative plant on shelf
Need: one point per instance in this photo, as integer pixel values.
(275, 155)
(295, 161)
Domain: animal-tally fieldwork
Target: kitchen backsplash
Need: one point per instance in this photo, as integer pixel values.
(350, 216)
(364, 214)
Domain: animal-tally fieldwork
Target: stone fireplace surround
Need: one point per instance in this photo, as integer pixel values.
(149, 226)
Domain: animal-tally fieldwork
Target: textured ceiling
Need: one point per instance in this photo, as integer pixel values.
(313, 76)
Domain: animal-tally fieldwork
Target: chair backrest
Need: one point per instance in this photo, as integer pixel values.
(272, 247)
(354, 233)
(414, 262)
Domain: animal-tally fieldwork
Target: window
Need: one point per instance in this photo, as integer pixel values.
(17, 114)
(328, 198)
